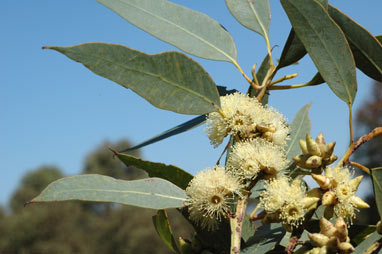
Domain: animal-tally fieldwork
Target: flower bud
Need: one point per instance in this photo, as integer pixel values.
(345, 247)
(358, 202)
(323, 181)
(329, 198)
(323, 250)
(331, 159)
(331, 245)
(262, 128)
(312, 146)
(327, 228)
(354, 183)
(314, 161)
(320, 139)
(318, 239)
(342, 230)
(329, 149)
(303, 147)
(301, 159)
(309, 202)
(379, 227)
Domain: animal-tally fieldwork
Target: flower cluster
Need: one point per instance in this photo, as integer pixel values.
(211, 192)
(339, 192)
(285, 201)
(249, 158)
(245, 118)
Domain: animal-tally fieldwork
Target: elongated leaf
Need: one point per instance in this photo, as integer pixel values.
(254, 15)
(326, 45)
(194, 122)
(162, 226)
(265, 239)
(299, 127)
(186, 29)
(365, 244)
(154, 193)
(316, 80)
(292, 52)
(366, 48)
(171, 173)
(379, 38)
(168, 80)
(376, 175)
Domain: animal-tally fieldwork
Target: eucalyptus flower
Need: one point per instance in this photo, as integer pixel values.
(211, 193)
(245, 118)
(248, 158)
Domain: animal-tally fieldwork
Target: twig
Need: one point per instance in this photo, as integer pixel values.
(236, 223)
(286, 77)
(360, 166)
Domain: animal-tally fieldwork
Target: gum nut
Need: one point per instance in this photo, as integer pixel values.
(323, 181)
(314, 161)
(328, 212)
(314, 193)
(345, 247)
(327, 228)
(358, 202)
(329, 198)
(379, 227)
(354, 183)
(318, 239)
(303, 147)
(312, 146)
(320, 139)
(309, 202)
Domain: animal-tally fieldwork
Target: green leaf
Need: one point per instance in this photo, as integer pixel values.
(366, 48)
(376, 175)
(247, 230)
(254, 15)
(326, 45)
(299, 127)
(171, 173)
(292, 52)
(265, 239)
(168, 80)
(162, 226)
(186, 29)
(365, 244)
(379, 38)
(154, 193)
(316, 80)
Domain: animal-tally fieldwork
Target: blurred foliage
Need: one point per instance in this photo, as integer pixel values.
(79, 227)
(369, 116)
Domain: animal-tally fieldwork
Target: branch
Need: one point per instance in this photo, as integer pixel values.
(236, 223)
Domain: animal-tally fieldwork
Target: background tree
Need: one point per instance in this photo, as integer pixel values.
(78, 227)
(368, 117)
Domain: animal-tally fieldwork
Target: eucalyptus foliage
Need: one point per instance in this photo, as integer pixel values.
(266, 158)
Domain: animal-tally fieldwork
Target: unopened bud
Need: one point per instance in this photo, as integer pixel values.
(329, 149)
(358, 202)
(342, 230)
(379, 227)
(301, 159)
(331, 159)
(312, 146)
(323, 181)
(354, 183)
(314, 161)
(329, 198)
(345, 247)
(320, 139)
(262, 127)
(303, 147)
(309, 202)
(318, 239)
(327, 228)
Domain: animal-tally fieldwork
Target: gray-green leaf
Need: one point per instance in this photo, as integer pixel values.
(171, 173)
(366, 48)
(168, 80)
(326, 45)
(376, 175)
(365, 244)
(299, 127)
(254, 15)
(186, 29)
(155, 193)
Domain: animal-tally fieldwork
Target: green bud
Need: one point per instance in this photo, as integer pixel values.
(312, 146)
(314, 161)
(303, 147)
(320, 139)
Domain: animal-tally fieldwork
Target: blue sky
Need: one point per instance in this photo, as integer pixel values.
(54, 111)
